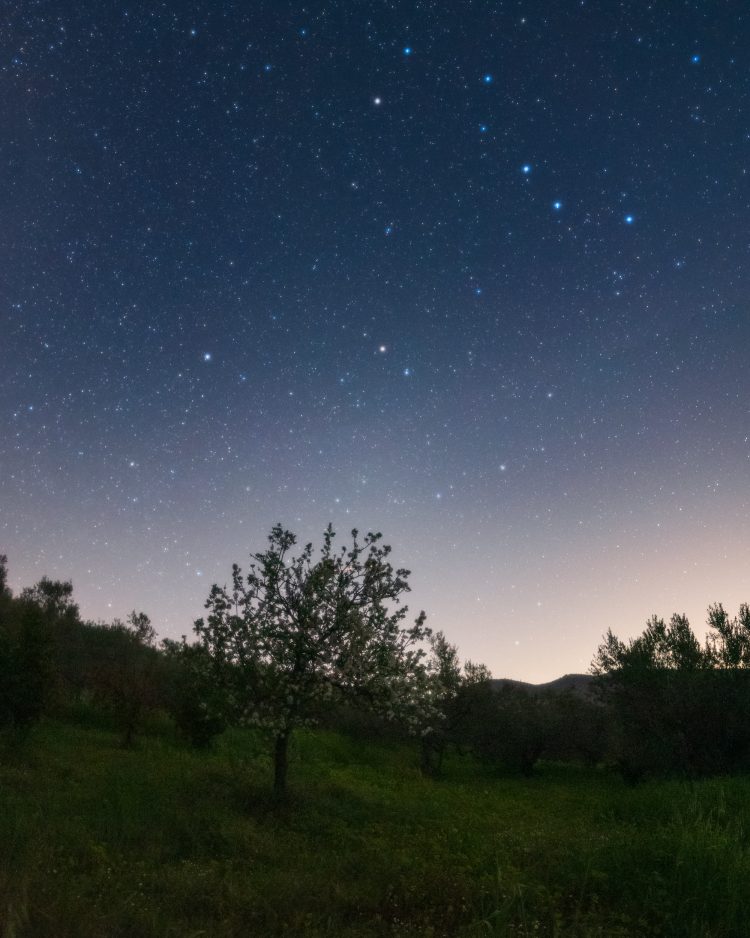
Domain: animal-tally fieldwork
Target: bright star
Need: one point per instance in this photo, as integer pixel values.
(629, 219)
(407, 372)
(377, 101)
(526, 169)
(482, 128)
(382, 348)
(206, 356)
(557, 206)
(487, 79)
(407, 50)
(695, 59)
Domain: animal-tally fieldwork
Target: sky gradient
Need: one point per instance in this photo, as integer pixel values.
(473, 275)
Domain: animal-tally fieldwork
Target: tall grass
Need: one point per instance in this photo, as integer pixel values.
(162, 841)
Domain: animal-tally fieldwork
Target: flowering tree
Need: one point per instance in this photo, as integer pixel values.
(296, 633)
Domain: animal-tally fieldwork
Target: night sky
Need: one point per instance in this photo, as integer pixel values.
(471, 274)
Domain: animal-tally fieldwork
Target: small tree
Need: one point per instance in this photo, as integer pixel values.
(515, 731)
(126, 678)
(297, 633)
(4, 588)
(25, 669)
(54, 597)
(197, 701)
(666, 698)
(450, 693)
(442, 686)
(140, 627)
(729, 639)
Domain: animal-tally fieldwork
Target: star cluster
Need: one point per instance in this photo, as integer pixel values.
(473, 275)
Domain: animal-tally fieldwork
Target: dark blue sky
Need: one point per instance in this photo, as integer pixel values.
(473, 274)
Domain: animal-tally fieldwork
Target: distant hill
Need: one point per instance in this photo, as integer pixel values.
(579, 683)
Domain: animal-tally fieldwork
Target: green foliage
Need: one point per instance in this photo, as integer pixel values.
(129, 679)
(728, 644)
(677, 707)
(578, 728)
(53, 597)
(447, 696)
(516, 730)
(26, 653)
(4, 588)
(197, 700)
(163, 841)
(299, 633)
(25, 668)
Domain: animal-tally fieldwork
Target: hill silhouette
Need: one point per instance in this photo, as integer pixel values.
(578, 683)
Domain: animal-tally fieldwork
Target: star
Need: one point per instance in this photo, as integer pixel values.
(207, 356)
(695, 58)
(629, 219)
(407, 50)
(487, 79)
(526, 169)
(557, 206)
(377, 101)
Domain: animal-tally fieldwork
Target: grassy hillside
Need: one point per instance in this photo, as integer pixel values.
(161, 841)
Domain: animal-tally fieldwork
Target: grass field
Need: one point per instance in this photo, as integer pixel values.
(162, 841)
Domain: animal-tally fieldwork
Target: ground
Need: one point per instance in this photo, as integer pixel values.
(164, 841)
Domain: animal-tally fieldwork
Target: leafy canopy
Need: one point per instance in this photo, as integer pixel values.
(297, 632)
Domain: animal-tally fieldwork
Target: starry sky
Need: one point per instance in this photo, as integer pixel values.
(472, 274)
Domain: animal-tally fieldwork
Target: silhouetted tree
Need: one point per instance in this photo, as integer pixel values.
(442, 682)
(447, 689)
(25, 667)
(515, 731)
(126, 677)
(579, 728)
(299, 632)
(678, 707)
(54, 598)
(729, 639)
(198, 699)
(4, 588)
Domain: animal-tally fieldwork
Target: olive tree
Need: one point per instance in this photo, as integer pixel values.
(448, 702)
(295, 634)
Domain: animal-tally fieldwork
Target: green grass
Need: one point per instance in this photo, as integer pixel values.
(162, 841)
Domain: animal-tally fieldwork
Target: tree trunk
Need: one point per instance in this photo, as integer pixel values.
(280, 763)
(432, 756)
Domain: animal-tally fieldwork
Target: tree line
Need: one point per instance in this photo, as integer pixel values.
(305, 637)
